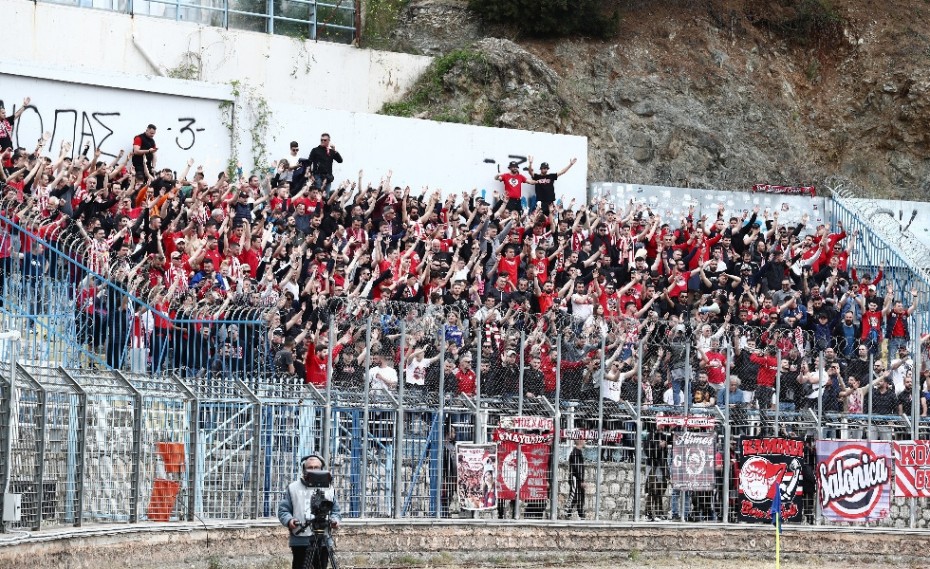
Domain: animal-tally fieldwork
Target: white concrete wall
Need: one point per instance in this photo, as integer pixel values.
(108, 110)
(450, 157)
(317, 74)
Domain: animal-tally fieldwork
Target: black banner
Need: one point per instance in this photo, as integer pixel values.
(768, 465)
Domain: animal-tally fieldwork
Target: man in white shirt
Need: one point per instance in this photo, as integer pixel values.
(381, 377)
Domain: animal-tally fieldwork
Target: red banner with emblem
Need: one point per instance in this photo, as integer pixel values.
(531, 462)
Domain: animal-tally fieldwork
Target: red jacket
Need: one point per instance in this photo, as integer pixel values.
(768, 369)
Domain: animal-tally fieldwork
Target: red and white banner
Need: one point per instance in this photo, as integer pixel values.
(688, 422)
(532, 462)
(527, 422)
(785, 190)
(911, 469)
(854, 478)
(591, 435)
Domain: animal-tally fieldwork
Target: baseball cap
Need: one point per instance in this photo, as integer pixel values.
(640, 254)
(513, 165)
(544, 165)
(745, 267)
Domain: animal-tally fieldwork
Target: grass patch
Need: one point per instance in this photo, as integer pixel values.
(427, 92)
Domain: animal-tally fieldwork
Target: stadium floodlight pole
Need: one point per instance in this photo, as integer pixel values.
(727, 425)
(777, 390)
(441, 424)
(600, 436)
(366, 394)
(556, 426)
(399, 430)
(638, 443)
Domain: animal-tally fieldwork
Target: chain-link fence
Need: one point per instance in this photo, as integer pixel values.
(679, 421)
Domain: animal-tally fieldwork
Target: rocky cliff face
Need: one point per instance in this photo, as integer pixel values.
(704, 93)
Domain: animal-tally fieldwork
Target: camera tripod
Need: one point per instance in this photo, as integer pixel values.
(320, 552)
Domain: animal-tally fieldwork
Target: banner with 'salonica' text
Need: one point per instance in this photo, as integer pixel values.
(854, 478)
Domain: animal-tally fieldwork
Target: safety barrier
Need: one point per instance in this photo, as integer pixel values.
(76, 309)
(112, 447)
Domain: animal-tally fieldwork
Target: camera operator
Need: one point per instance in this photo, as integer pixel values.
(293, 514)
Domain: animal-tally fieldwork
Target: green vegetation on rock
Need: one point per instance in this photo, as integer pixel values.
(427, 93)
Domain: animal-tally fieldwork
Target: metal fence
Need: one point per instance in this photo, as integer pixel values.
(112, 447)
(81, 310)
(330, 20)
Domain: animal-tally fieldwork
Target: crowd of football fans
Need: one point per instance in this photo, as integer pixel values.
(173, 259)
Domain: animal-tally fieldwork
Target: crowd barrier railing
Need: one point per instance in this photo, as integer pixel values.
(75, 310)
(105, 446)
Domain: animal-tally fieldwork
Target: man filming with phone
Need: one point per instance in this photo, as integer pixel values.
(309, 510)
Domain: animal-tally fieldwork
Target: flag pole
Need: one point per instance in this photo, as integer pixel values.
(778, 541)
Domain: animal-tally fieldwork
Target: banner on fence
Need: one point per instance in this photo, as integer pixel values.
(785, 190)
(687, 422)
(591, 435)
(532, 463)
(912, 469)
(768, 465)
(476, 466)
(854, 478)
(693, 461)
(527, 422)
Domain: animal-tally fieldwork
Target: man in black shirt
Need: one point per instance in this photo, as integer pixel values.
(143, 151)
(545, 183)
(6, 124)
(321, 163)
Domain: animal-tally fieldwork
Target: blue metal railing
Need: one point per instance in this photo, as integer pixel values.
(331, 20)
(73, 315)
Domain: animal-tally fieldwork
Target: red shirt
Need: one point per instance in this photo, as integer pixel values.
(716, 375)
(467, 381)
(509, 267)
(316, 366)
(768, 368)
(513, 185)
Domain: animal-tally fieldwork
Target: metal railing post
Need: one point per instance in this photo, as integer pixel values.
(328, 407)
(520, 390)
(727, 433)
(6, 416)
(399, 431)
(916, 394)
(600, 438)
(41, 410)
(777, 391)
(136, 475)
(80, 446)
(873, 376)
(366, 390)
(638, 443)
(442, 422)
(269, 14)
(556, 426)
